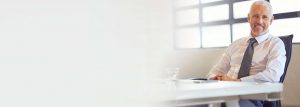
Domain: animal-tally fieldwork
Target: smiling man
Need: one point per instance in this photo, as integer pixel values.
(259, 57)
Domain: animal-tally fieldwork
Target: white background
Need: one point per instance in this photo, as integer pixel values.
(81, 53)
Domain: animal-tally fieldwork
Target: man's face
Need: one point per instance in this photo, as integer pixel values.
(260, 19)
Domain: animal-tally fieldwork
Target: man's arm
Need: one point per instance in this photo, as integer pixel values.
(222, 66)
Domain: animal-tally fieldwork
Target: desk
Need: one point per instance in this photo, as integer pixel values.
(195, 92)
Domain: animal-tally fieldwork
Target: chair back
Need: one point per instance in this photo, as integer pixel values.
(287, 40)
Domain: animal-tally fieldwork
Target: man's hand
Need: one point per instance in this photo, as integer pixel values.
(217, 77)
(226, 78)
(223, 78)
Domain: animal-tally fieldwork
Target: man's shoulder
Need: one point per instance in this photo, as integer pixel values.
(237, 43)
(240, 40)
(275, 39)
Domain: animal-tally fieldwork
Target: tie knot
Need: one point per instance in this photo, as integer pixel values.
(252, 41)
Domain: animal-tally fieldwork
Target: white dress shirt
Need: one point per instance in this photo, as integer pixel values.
(267, 63)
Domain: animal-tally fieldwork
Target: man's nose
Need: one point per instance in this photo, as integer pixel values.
(259, 20)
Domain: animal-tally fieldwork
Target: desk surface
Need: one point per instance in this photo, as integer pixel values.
(189, 92)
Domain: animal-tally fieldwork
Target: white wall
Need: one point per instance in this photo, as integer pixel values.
(80, 53)
(197, 62)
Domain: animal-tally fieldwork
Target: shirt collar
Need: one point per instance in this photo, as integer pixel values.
(260, 38)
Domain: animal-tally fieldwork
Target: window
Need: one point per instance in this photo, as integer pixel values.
(188, 38)
(285, 27)
(211, 38)
(240, 30)
(222, 11)
(183, 3)
(216, 23)
(283, 6)
(241, 9)
(208, 1)
(185, 17)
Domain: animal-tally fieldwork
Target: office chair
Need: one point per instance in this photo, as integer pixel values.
(287, 40)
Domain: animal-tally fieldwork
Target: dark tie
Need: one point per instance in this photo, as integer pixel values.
(247, 59)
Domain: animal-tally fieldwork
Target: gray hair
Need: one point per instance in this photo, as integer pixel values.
(264, 3)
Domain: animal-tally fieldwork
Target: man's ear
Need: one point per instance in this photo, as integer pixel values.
(248, 18)
(271, 21)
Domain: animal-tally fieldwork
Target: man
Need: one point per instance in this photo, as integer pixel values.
(266, 62)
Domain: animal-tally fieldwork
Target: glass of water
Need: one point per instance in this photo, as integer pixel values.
(172, 73)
